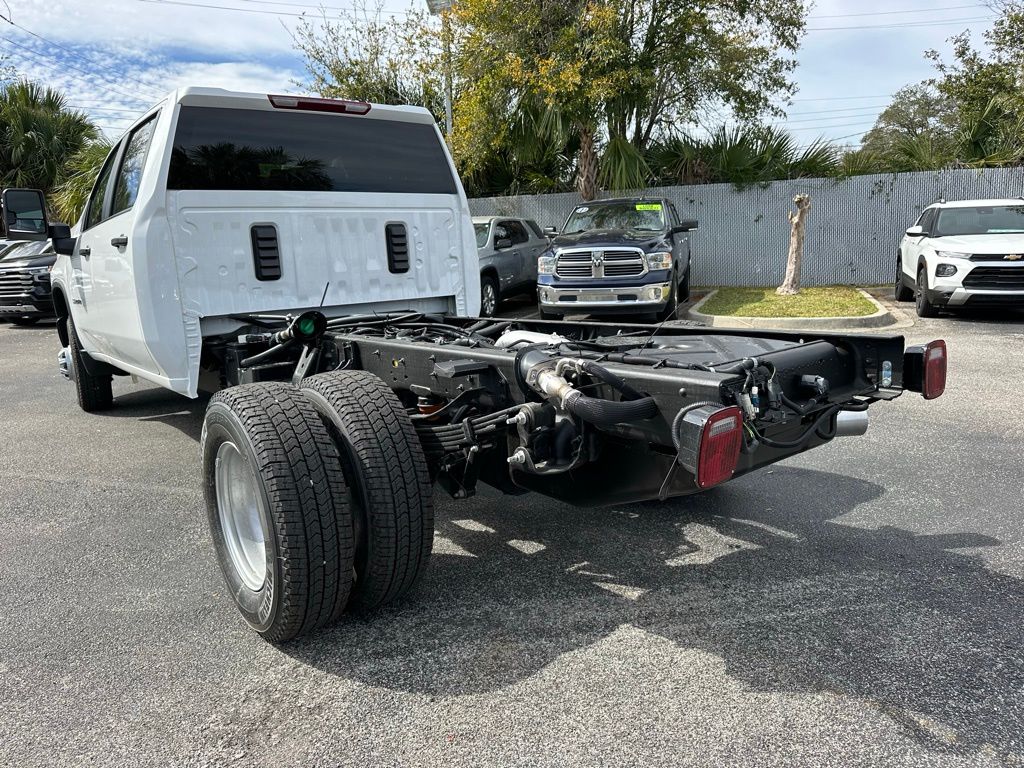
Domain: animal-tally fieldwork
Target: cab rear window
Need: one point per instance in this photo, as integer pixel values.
(234, 149)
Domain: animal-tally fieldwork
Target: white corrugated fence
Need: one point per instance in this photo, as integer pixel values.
(853, 227)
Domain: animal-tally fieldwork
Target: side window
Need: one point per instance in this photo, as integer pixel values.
(928, 219)
(501, 232)
(536, 228)
(516, 231)
(675, 215)
(126, 187)
(99, 192)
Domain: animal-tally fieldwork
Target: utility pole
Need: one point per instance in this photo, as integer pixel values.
(443, 8)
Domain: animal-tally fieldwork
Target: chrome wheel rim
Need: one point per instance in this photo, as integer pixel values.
(490, 301)
(242, 520)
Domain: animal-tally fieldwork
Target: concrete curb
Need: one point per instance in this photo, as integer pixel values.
(880, 318)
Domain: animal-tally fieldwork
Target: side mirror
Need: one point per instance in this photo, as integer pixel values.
(916, 231)
(502, 243)
(551, 231)
(63, 242)
(684, 226)
(24, 212)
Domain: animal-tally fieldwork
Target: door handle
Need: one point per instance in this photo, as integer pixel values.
(119, 242)
(85, 252)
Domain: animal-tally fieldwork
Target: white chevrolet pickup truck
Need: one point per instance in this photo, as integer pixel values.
(313, 262)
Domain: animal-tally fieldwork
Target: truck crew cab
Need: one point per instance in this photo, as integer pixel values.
(314, 261)
(628, 255)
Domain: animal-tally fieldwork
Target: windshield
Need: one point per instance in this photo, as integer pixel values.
(26, 250)
(644, 216)
(983, 220)
(481, 233)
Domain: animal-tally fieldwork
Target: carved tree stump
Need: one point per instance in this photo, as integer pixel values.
(797, 226)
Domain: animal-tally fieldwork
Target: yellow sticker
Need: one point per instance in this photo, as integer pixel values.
(648, 206)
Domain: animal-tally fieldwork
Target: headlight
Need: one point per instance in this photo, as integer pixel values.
(659, 260)
(546, 265)
(37, 270)
(945, 270)
(952, 255)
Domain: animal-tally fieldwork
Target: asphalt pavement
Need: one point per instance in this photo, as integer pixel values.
(858, 605)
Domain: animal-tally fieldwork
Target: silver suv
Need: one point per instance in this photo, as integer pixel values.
(508, 250)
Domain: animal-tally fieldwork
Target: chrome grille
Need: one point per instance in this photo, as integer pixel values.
(577, 264)
(623, 263)
(597, 263)
(14, 284)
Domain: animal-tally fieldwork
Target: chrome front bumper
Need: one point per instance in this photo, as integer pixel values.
(650, 295)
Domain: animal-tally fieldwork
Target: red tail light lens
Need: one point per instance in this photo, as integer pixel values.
(934, 369)
(311, 104)
(720, 442)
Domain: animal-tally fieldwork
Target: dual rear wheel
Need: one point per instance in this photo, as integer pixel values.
(318, 499)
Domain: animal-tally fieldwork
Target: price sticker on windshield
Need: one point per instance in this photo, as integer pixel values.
(648, 206)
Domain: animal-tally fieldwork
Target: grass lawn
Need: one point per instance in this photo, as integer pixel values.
(827, 301)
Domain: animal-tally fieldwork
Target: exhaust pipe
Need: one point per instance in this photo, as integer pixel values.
(851, 423)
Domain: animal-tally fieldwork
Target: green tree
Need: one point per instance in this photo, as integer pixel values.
(70, 196)
(619, 73)
(917, 113)
(366, 53)
(39, 134)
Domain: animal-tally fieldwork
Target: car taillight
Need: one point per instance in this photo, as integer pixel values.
(934, 369)
(720, 442)
(311, 104)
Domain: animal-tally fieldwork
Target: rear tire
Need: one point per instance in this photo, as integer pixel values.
(901, 292)
(924, 307)
(387, 470)
(271, 471)
(95, 393)
(489, 296)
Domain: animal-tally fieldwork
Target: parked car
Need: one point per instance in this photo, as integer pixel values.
(613, 256)
(965, 253)
(25, 296)
(313, 259)
(509, 249)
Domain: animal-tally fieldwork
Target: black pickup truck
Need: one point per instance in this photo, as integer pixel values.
(629, 255)
(25, 295)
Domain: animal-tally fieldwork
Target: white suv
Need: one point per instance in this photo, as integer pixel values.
(967, 253)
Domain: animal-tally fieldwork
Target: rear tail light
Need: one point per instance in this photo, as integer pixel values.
(311, 104)
(710, 438)
(934, 369)
(924, 369)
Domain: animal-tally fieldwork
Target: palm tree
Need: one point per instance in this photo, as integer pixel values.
(71, 195)
(39, 134)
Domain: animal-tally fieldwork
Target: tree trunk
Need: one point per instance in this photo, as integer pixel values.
(797, 225)
(586, 167)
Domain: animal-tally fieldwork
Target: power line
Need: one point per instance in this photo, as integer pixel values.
(847, 98)
(315, 5)
(903, 25)
(48, 63)
(120, 75)
(240, 10)
(840, 109)
(875, 13)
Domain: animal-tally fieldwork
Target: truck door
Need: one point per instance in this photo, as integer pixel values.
(106, 249)
(517, 254)
(84, 311)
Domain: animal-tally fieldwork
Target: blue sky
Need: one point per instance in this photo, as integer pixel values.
(115, 57)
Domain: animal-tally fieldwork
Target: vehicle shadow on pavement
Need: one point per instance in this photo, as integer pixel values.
(157, 404)
(759, 573)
